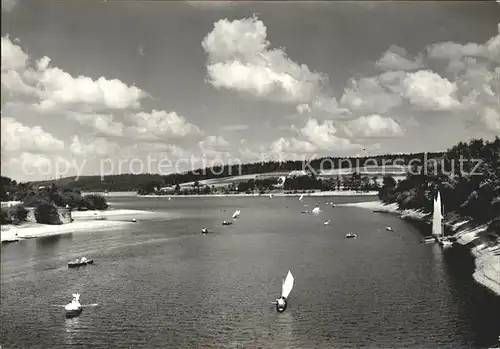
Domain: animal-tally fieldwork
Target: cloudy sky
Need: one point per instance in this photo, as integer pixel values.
(88, 84)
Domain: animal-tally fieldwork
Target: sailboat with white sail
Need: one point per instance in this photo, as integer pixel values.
(286, 288)
(437, 223)
(301, 197)
(236, 213)
(437, 217)
(316, 210)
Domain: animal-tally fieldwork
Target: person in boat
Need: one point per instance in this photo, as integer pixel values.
(281, 303)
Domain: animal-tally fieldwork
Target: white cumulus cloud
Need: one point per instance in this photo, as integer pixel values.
(103, 124)
(491, 119)
(240, 58)
(93, 147)
(396, 58)
(18, 137)
(54, 88)
(429, 90)
(372, 94)
(373, 126)
(313, 137)
(160, 125)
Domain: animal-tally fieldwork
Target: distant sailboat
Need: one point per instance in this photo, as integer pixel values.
(301, 197)
(236, 214)
(315, 210)
(270, 196)
(74, 308)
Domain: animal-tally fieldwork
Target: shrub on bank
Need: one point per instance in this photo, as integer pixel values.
(34, 200)
(4, 217)
(20, 214)
(47, 214)
(95, 202)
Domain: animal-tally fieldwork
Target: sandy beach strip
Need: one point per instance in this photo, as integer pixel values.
(83, 221)
(315, 194)
(35, 230)
(380, 207)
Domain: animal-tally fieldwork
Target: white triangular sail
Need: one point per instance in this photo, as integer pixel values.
(236, 213)
(437, 217)
(301, 197)
(287, 285)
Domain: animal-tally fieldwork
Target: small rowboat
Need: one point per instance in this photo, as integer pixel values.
(80, 262)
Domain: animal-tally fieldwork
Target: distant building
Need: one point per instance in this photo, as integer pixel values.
(271, 175)
(296, 173)
(167, 189)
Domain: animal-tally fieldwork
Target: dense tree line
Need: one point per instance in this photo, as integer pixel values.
(298, 183)
(45, 200)
(131, 182)
(467, 176)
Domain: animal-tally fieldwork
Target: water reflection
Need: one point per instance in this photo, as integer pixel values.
(284, 324)
(71, 331)
(437, 253)
(49, 241)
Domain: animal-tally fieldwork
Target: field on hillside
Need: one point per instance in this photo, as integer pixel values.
(398, 172)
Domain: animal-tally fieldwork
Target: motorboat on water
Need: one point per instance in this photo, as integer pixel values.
(227, 223)
(74, 308)
(286, 287)
(80, 262)
(327, 222)
(204, 230)
(388, 228)
(351, 236)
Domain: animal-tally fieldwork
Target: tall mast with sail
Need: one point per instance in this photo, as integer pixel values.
(437, 218)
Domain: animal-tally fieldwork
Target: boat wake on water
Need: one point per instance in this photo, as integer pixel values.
(82, 305)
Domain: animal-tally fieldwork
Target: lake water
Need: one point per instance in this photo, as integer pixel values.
(159, 283)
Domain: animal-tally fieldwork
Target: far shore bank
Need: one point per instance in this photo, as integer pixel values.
(487, 256)
(315, 194)
(83, 221)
